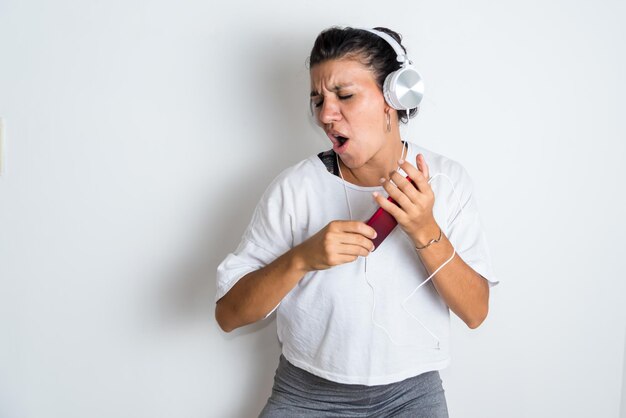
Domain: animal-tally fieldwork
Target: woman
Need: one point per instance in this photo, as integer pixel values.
(363, 330)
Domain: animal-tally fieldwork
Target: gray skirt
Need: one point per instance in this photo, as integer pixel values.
(298, 393)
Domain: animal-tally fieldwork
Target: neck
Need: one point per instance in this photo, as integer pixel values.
(379, 166)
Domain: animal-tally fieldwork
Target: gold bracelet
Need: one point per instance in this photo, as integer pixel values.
(431, 242)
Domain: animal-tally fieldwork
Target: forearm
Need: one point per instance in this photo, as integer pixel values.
(464, 291)
(260, 291)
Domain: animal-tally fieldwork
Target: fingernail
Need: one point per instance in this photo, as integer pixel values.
(382, 180)
(373, 247)
(375, 194)
(400, 162)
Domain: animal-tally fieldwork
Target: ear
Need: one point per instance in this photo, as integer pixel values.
(392, 113)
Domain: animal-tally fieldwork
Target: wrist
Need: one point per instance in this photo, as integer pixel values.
(298, 261)
(426, 235)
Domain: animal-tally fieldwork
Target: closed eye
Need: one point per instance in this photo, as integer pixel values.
(319, 103)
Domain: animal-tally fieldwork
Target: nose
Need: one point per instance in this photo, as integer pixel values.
(329, 112)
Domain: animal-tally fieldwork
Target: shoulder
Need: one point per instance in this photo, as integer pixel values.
(310, 167)
(292, 179)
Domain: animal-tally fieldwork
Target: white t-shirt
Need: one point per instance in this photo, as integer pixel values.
(333, 323)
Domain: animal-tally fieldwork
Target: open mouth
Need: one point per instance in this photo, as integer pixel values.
(339, 141)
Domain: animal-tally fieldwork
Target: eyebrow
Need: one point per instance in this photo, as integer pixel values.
(336, 88)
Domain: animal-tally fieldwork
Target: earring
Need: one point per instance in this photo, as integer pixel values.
(388, 121)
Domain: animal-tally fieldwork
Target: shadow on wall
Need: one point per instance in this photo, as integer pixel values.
(282, 84)
(286, 140)
(623, 408)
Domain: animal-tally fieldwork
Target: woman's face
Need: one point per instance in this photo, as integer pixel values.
(350, 107)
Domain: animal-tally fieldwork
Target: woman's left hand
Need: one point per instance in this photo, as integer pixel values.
(415, 211)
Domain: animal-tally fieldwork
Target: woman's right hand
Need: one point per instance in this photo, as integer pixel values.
(337, 243)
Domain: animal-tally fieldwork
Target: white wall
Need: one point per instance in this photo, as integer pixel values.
(141, 134)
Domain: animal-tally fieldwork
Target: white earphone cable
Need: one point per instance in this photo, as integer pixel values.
(403, 304)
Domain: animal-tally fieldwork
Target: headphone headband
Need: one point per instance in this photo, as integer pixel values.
(402, 57)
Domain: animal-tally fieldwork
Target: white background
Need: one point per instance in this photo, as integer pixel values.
(140, 135)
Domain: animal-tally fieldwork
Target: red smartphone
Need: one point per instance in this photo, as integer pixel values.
(382, 222)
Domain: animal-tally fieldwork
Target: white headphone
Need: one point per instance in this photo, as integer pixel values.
(403, 89)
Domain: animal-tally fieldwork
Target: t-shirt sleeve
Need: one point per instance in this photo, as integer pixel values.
(465, 230)
(267, 237)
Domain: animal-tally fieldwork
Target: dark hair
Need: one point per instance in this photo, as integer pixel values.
(370, 49)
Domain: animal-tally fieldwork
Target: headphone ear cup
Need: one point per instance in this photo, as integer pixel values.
(404, 89)
(388, 93)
